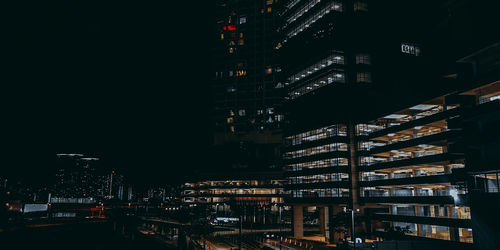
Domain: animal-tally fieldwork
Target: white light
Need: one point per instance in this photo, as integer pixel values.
(391, 134)
(454, 194)
(417, 127)
(394, 116)
(422, 107)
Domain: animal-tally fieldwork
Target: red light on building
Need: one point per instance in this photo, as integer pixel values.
(229, 27)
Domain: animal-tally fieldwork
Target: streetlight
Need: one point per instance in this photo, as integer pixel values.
(352, 225)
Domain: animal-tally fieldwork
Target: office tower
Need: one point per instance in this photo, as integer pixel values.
(245, 96)
(244, 65)
(76, 176)
(245, 93)
(378, 107)
(114, 183)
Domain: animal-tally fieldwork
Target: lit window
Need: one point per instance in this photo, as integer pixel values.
(241, 73)
(230, 73)
(363, 59)
(360, 6)
(270, 111)
(241, 112)
(221, 36)
(364, 77)
(230, 120)
(269, 70)
(241, 35)
(269, 9)
(260, 111)
(243, 19)
(231, 89)
(269, 2)
(241, 42)
(231, 50)
(231, 113)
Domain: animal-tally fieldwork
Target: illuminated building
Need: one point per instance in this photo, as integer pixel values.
(76, 176)
(379, 119)
(245, 94)
(256, 196)
(244, 63)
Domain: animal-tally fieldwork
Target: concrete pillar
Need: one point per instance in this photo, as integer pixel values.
(454, 234)
(353, 161)
(449, 209)
(447, 169)
(323, 220)
(298, 221)
(419, 226)
(414, 172)
(441, 211)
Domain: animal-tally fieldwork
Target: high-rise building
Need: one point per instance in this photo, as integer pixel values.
(244, 83)
(245, 92)
(378, 105)
(114, 185)
(76, 176)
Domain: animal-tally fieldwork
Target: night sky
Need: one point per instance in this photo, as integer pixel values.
(125, 82)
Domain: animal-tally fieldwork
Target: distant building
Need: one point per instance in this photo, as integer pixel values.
(114, 184)
(76, 176)
(257, 197)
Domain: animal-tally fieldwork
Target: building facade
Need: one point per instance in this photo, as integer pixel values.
(377, 117)
(244, 63)
(256, 197)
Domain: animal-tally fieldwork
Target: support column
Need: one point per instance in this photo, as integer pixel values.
(323, 221)
(431, 211)
(419, 226)
(454, 234)
(298, 221)
(353, 162)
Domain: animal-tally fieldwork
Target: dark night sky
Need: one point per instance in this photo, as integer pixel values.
(126, 82)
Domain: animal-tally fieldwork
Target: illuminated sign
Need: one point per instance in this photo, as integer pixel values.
(226, 219)
(28, 208)
(410, 49)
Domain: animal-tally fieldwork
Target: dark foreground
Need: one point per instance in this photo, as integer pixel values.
(81, 236)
